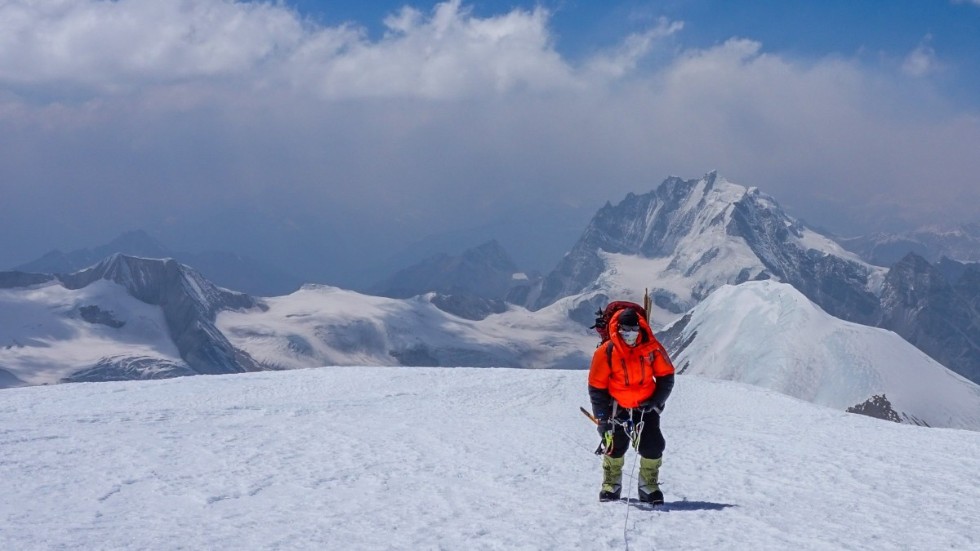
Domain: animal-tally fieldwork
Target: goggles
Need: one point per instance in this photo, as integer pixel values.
(629, 334)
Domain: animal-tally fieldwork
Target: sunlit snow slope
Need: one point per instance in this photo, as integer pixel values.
(419, 458)
(322, 325)
(768, 334)
(45, 333)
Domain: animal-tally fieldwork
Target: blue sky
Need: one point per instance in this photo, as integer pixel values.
(808, 29)
(341, 138)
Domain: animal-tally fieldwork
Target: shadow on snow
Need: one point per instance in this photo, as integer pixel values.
(683, 505)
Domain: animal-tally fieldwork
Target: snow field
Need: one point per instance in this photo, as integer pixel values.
(437, 458)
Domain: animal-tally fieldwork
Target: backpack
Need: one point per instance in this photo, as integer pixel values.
(604, 316)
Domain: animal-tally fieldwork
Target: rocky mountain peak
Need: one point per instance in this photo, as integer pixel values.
(711, 232)
(156, 281)
(189, 302)
(655, 224)
(912, 280)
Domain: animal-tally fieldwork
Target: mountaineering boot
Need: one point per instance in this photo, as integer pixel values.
(649, 489)
(612, 478)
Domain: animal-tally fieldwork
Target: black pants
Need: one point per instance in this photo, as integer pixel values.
(651, 440)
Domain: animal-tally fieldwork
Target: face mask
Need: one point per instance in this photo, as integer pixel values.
(630, 335)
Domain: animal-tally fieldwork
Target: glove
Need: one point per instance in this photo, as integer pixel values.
(603, 426)
(649, 405)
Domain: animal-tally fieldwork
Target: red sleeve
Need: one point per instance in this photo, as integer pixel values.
(599, 370)
(661, 364)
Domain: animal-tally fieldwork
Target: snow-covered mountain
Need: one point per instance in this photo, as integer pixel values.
(417, 458)
(320, 325)
(768, 334)
(961, 243)
(136, 318)
(689, 237)
(133, 318)
(124, 318)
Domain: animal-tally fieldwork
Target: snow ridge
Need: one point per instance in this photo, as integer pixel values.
(768, 334)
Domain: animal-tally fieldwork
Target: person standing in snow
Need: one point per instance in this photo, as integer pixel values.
(629, 381)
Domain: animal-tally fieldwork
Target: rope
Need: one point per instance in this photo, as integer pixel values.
(635, 434)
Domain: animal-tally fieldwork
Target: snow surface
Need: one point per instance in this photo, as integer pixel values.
(429, 458)
(768, 334)
(43, 337)
(322, 325)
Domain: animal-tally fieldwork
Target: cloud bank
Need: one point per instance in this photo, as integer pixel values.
(213, 121)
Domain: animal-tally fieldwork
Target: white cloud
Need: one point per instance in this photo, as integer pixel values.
(449, 54)
(922, 60)
(110, 46)
(624, 59)
(129, 43)
(446, 120)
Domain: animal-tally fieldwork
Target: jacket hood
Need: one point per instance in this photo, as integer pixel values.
(646, 334)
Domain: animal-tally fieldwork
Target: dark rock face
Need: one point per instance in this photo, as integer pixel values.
(839, 286)
(939, 318)
(878, 407)
(673, 340)
(468, 306)
(94, 314)
(128, 369)
(967, 286)
(189, 302)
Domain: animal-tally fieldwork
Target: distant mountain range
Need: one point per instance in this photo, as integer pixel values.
(687, 238)
(704, 248)
(486, 270)
(138, 318)
(135, 318)
(960, 243)
(472, 285)
(226, 269)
